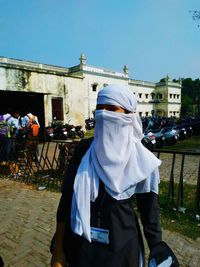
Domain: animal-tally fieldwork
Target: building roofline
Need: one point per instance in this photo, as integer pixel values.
(141, 83)
(36, 67)
(32, 64)
(89, 69)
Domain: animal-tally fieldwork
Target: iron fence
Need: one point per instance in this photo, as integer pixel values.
(183, 169)
(33, 162)
(46, 164)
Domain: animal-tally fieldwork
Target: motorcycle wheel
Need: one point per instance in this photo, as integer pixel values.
(72, 135)
(81, 134)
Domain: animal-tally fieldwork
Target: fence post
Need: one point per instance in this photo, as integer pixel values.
(180, 186)
(171, 182)
(197, 199)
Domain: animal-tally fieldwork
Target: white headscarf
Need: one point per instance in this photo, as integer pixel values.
(116, 156)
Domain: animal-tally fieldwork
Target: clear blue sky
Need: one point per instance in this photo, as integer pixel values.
(153, 37)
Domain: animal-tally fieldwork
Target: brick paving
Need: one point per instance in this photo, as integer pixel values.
(27, 223)
(190, 170)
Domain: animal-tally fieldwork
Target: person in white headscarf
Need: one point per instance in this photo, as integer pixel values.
(96, 224)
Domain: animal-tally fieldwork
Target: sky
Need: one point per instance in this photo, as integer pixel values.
(155, 38)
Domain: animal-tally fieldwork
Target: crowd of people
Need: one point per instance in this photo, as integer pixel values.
(14, 126)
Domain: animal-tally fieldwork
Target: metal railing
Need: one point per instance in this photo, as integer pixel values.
(50, 164)
(34, 162)
(184, 166)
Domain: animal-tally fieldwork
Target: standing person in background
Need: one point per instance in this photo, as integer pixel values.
(11, 120)
(8, 126)
(96, 223)
(16, 115)
(19, 132)
(27, 122)
(31, 126)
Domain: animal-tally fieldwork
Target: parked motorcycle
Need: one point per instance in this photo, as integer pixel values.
(149, 140)
(68, 131)
(195, 124)
(159, 137)
(79, 131)
(71, 131)
(171, 135)
(60, 131)
(49, 131)
(181, 132)
(89, 123)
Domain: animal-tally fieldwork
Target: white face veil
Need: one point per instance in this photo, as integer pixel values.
(116, 156)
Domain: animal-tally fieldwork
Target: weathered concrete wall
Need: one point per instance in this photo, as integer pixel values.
(76, 101)
(2, 79)
(70, 89)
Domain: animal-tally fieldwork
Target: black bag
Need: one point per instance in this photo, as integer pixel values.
(160, 253)
(1, 262)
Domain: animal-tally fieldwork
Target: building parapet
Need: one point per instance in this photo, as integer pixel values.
(141, 83)
(74, 69)
(83, 67)
(168, 83)
(174, 85)
(32, 65)
(103, 71)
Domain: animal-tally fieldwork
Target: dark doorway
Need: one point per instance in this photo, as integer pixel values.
(11, 101)
(57, 108)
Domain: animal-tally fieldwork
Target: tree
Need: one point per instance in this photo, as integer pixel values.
(196, 16)
(186, 105)
(191, 92)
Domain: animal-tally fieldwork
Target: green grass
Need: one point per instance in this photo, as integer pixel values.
(176, 221)
(190, 144)
(173, 220)
(89, 133)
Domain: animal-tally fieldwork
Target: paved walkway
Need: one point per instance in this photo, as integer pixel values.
(27, 223)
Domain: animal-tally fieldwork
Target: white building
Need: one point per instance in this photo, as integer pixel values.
(69, 94)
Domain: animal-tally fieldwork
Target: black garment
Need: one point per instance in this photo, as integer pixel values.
(115, 215)
(1, 262)
(6, 150)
